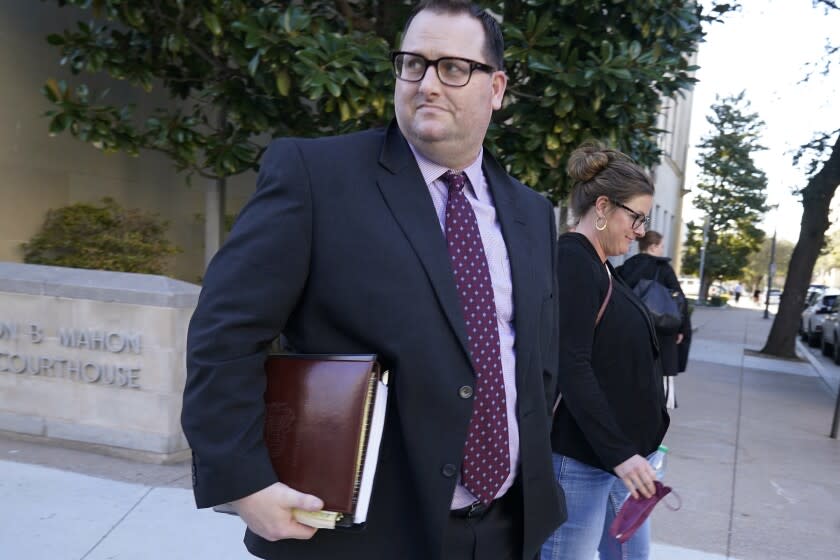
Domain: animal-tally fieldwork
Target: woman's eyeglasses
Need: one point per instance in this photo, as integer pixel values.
(638, 219)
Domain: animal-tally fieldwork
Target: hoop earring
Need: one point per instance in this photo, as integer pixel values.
(603, 225)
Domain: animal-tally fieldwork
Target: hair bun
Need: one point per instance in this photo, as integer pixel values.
(587, 161)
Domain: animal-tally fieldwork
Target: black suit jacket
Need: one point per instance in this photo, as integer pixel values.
(341, 251)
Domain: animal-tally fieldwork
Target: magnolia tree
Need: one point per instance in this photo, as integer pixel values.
(238, 72)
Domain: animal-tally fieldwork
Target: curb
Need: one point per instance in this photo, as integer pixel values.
(804, 352)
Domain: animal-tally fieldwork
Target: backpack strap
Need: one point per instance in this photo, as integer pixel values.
(656, 274)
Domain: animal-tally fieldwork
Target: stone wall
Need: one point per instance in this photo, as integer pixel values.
(94, 358)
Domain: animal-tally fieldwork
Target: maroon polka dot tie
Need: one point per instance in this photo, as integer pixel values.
(486, 454)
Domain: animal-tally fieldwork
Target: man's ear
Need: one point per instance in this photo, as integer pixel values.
(499, 84)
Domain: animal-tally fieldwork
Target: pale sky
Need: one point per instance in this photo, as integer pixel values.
(764, 49)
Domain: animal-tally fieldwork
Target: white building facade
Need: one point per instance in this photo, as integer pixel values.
(669, 175)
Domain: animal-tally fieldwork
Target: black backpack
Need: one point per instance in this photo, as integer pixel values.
(665, 306)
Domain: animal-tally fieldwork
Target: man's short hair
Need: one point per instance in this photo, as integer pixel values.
(494, 44)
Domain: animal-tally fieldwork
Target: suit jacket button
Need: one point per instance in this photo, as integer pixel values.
(449, 470)
(465, 392)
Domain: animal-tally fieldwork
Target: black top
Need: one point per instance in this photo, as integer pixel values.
(673, 356)
(613, 404)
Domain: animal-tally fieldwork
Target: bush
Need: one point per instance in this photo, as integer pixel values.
(718, 301)
(106, 237)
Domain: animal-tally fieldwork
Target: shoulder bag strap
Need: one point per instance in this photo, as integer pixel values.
(606, 299)
(597, 320)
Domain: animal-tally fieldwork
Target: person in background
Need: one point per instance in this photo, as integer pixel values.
(410, 242)
(610, 414)
(648, 264)
(739, 289)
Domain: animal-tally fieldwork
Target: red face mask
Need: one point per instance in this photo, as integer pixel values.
(634, 512)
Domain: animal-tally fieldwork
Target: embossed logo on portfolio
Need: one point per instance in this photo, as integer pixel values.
(278, 424)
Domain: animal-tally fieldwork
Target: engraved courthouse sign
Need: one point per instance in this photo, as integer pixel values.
(95, 357)
(68, 366)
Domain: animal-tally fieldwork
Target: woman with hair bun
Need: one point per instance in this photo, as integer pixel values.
(610, 414)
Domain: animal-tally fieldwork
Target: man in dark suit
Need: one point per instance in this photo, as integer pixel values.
(414, 244)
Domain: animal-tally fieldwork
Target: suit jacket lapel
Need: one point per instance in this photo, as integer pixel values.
(518, 243)
(405, 193)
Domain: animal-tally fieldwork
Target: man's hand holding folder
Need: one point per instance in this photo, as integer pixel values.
(268, 513)
(316, 403)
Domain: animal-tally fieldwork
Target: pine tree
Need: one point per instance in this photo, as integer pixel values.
(732, 192)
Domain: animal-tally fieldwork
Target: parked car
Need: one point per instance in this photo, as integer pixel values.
(775, 296)
(811, 324)
(831, 337)
(814, 291)
(690, 286)
(718, 290)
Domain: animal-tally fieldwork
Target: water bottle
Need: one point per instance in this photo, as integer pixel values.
(658, 461)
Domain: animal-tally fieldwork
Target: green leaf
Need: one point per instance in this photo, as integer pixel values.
(333, 88)
(344, 109)
(254, 64)
(606, 51)
(55, 39)
(622, 74)
(59, 123)
(211, 20)
(531, 23)
(53, 90)
(282, 82)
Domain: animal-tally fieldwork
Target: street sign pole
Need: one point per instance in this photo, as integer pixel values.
(701, 295)
(771, 270)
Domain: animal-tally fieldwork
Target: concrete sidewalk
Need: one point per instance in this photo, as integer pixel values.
(750, 452)
(750, 458)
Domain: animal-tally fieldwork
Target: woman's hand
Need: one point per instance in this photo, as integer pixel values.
(680, 338)
(638, 476)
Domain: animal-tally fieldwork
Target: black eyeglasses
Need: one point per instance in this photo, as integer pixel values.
(638, 219)
(451, 71)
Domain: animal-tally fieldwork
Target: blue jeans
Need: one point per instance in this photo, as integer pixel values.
(593, 497)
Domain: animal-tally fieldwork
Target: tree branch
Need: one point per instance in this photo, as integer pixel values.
(204, 55)
(520, 93)
(355, 21)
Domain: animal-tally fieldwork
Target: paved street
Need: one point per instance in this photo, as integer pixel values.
(750, 457)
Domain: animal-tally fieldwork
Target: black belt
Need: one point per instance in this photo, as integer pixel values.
(476, 509)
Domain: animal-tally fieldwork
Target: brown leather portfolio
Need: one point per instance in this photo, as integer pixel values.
(323, 426)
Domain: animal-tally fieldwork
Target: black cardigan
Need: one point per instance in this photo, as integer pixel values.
(613, 404)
